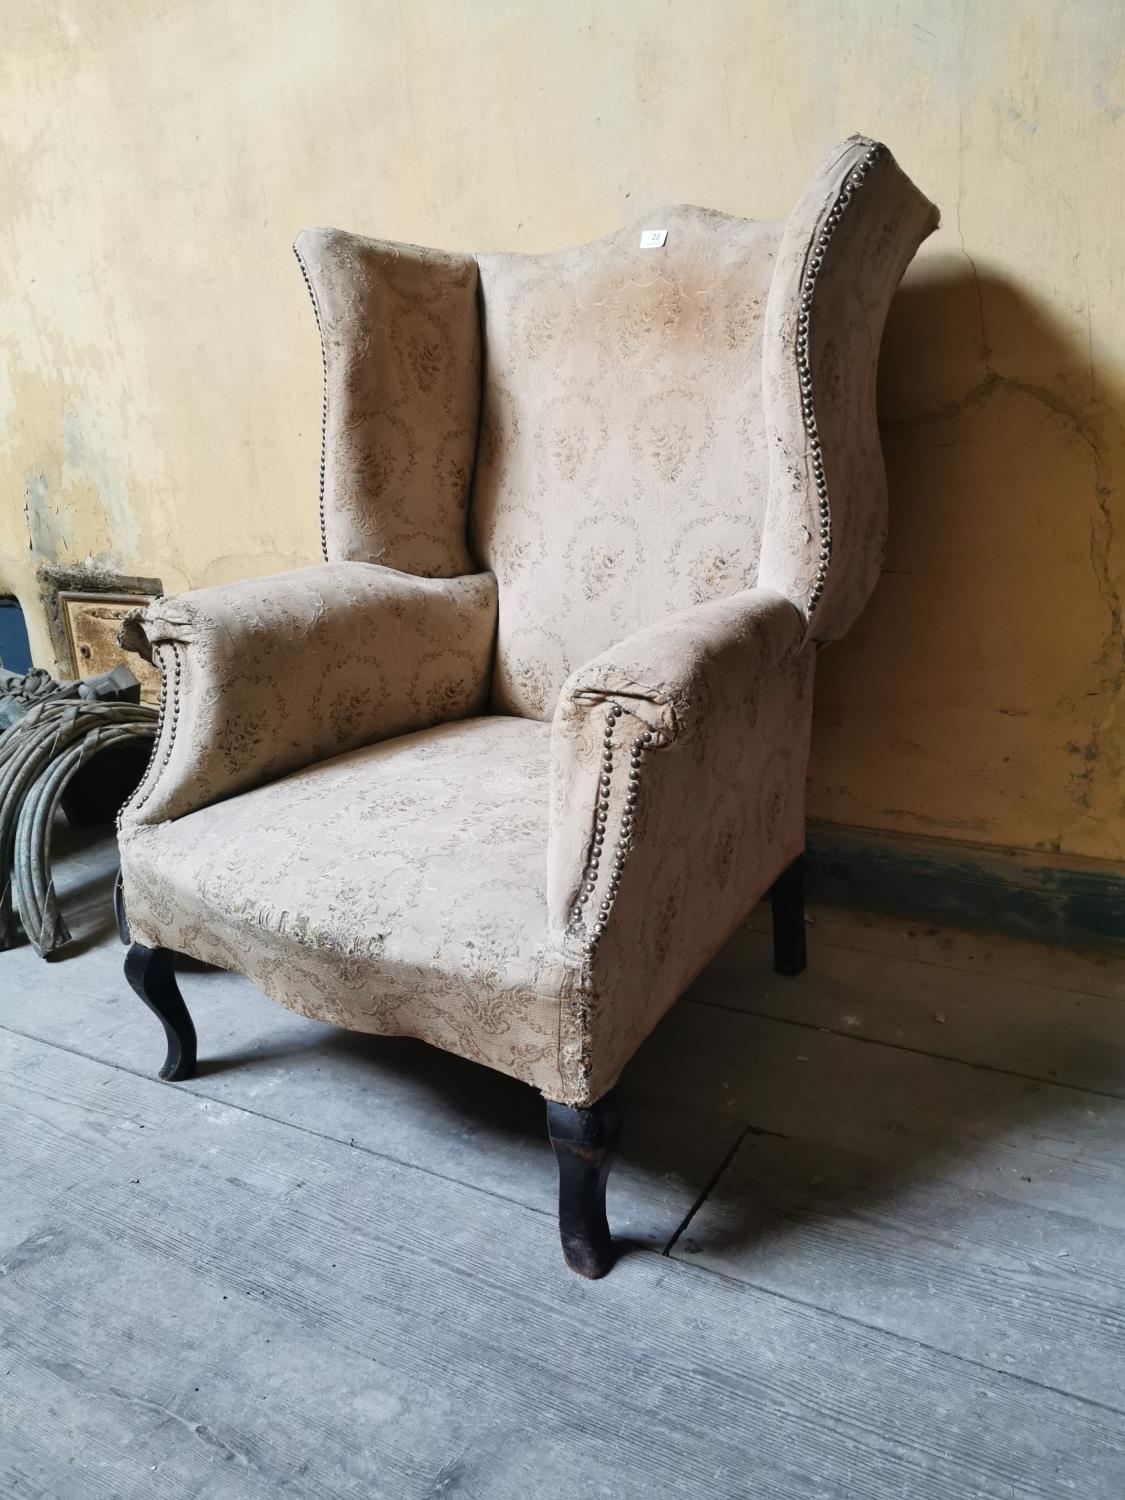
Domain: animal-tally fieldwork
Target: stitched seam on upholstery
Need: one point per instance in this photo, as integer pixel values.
(589, 933)
(595, 695)
(645, 694)
(324, 395)
(818, 247)
(168, 715)
(143, 788)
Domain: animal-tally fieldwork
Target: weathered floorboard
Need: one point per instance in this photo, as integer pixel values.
(1031, 1143)
(1020, 1026)
(1035, 1293)
(223, 1306)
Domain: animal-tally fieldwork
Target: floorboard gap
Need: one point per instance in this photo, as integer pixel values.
(707, 1189)
(875, 1041)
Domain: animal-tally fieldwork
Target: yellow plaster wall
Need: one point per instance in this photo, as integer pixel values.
(160, 381)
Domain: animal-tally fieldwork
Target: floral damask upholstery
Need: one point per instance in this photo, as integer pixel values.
(508, 768)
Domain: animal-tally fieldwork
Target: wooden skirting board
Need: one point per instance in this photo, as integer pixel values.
(1018, 892)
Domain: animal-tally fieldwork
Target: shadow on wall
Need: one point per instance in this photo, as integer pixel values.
(979, 696)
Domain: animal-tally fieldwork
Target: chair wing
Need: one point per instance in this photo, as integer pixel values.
(845, 247)
(400, 337)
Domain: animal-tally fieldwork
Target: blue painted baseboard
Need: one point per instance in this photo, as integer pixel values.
(15, 652)
(1017, 892)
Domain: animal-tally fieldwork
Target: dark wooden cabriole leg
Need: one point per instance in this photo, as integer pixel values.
(152, 973)
(787, 900)
(585, 1142)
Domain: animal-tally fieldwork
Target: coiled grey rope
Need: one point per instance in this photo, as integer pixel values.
(38, 757)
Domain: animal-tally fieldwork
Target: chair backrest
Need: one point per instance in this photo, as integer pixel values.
(623, 470)
(657, 427)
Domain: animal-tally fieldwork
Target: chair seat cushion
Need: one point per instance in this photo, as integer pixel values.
(399, 888)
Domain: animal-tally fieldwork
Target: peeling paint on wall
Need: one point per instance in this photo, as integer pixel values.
(44, 525)
(159, 388)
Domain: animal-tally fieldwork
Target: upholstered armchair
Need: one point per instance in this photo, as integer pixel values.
(507, 769)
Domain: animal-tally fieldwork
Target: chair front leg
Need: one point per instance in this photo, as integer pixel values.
(585, 1143)
(152, 974)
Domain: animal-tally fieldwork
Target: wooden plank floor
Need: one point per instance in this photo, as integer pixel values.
(876, 1220)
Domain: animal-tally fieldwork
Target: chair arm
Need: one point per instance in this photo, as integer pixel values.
(262, 677)
(674, 674)
(677, 795)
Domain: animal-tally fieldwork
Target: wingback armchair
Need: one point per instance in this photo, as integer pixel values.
(506, 770)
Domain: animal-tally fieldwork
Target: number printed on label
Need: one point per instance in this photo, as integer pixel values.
(653, 239)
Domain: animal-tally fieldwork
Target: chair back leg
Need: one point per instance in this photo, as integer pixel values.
(787, 900)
